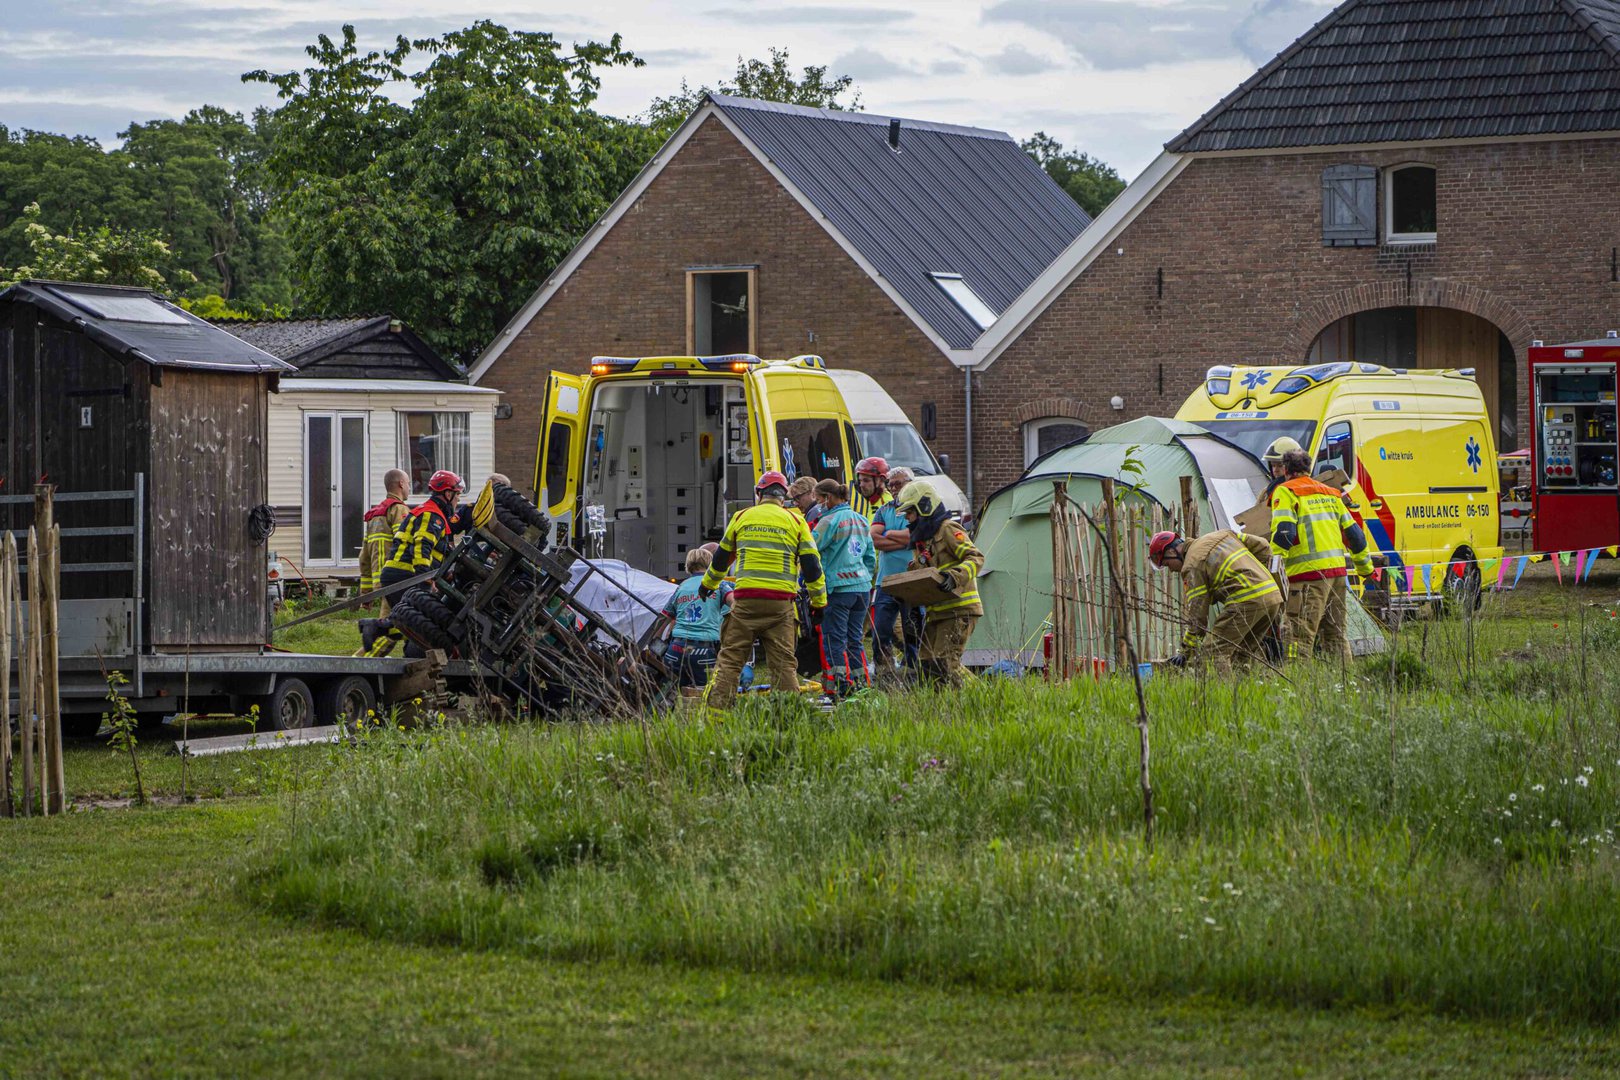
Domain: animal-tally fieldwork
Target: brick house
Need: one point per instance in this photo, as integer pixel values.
(1413, 182)
(881, 244)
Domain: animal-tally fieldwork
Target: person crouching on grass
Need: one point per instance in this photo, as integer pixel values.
(694, 639)
(848, 560)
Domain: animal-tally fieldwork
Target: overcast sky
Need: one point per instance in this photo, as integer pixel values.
(1115, 78)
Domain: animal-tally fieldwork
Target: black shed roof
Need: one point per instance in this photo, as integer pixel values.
(142, 325)
(1419, 70)
(952, 201)
(359, 346)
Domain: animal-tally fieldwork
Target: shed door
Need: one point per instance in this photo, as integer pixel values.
(334, 487)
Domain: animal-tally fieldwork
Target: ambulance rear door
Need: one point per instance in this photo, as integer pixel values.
(560, 458)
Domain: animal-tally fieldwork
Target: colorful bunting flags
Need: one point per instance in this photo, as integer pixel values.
(1524, 561)
(1580, 564)
(1428, 585)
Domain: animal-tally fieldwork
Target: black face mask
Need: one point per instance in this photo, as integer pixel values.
(926, 527)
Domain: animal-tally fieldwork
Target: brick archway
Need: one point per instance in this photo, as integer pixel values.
(1434, 292)
(1067, 408)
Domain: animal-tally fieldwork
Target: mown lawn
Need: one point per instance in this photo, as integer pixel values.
(128, 953)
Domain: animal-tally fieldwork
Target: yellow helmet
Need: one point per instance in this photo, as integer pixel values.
(919, 497)
(1281, 445)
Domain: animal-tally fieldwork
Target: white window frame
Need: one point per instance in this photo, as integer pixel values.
(402, 450)
(1033, 428)
(962, 294)
(1388, 196)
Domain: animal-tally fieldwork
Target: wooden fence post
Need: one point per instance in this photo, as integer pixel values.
(1189, 510)
(50, 541)
(1061, 661)
(1116, 595)
(8, 616)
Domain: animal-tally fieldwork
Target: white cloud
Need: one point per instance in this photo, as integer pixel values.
(1112, 77)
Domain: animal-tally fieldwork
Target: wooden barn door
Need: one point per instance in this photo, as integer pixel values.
(335, 471)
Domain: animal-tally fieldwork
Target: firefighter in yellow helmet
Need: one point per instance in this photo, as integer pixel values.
(767, 550)
(1230, 569)
(1316, 536)
(941, 543)
(1273, 458)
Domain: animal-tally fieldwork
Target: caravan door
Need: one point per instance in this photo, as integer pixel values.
(560, 457)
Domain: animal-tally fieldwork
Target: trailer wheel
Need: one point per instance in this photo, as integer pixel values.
(345, 700)
(289, 706)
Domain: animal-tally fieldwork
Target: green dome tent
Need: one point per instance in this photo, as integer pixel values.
(1015, 530)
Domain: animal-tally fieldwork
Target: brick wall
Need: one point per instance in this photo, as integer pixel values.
(714, 205)
(1525, 235)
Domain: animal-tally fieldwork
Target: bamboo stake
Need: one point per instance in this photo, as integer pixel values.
(29, 680)
(8, 615)
(1060, 586)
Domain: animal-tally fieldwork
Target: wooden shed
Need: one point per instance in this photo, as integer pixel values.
(151, 424)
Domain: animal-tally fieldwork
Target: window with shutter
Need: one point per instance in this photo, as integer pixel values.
(1350, 206)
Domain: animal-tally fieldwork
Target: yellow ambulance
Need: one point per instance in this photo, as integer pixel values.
(647, 457)
(1417, 444)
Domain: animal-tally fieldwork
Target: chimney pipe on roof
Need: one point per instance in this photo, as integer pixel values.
(894, 134)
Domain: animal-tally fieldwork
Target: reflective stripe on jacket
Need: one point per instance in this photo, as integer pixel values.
(952, 553)
(848, 556)
(765, 550)
(422, 540)
(1224, 567)
(1322, 530)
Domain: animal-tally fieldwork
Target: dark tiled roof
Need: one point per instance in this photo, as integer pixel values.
(291, 338)
(1411, 70)
(140, 324)
(954, 200)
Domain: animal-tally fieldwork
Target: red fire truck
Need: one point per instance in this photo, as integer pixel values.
(1575, 448)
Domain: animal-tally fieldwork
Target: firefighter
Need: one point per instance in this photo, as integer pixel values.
(421, 543)
(1228, 568)
(943, 544)
(1314, 534)
(767, 550)
(381, 521)
(871, 492)
(1273, 458)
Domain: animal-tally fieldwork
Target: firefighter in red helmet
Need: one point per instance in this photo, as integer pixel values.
(767, 550)
(1230, 569)
(420, 544)
(871, 486)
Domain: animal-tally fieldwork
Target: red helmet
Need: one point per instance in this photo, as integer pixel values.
(872, 466)
(1159, 544)
(445, 480)
(770, 480)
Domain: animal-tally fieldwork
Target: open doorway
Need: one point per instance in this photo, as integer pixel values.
(656, 463)
(1432, 337)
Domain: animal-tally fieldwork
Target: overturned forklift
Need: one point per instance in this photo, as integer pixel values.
(513, 606)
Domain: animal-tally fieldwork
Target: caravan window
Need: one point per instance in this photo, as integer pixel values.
(430, 441)
(810, 447)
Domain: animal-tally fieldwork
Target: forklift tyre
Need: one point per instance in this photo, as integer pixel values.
(289, 706)
(345, 700)
(417, 624)
(518, 513)
(438, 612)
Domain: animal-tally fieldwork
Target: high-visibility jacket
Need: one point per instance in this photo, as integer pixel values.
(422, 540)
(1314, 533)
(1224, 567)
(950, 551)
(768, 549)
(865, 507)
(381, 522)
(848, 556)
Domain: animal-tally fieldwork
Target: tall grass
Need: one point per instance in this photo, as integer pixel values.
(1443, 839)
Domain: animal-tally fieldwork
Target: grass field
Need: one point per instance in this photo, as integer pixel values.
(1407, 867)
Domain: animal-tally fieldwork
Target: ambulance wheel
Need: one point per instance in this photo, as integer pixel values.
(1463, 593)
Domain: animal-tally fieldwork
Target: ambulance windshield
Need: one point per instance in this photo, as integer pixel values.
(898, 444)
(1255, 435)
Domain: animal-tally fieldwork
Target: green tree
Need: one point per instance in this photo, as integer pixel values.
(447, 195)
(102, 254)
(766, 80)
(1089, 182)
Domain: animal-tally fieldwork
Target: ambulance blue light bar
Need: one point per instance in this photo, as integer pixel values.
(730, 362)
(603, 365)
